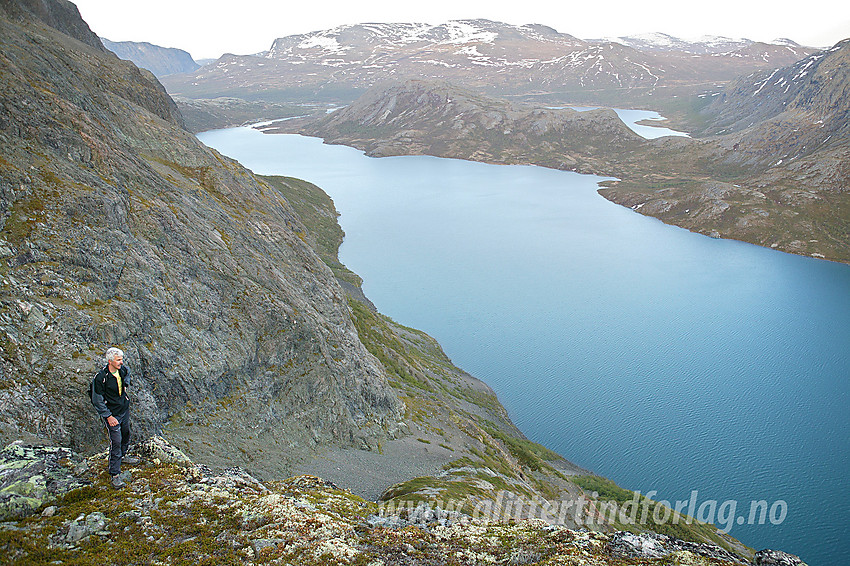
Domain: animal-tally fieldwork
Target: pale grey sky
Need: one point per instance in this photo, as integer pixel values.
(206, 29)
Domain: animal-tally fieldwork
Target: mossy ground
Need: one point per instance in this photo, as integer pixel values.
(173, 515)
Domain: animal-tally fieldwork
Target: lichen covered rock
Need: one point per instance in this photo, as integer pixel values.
(31, 476)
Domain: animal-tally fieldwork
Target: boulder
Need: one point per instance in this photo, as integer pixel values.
(769, 557)
(31, 476)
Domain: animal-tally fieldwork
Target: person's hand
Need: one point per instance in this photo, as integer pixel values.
(111, 421)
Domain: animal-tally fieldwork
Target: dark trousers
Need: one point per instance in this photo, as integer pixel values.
(119, 440)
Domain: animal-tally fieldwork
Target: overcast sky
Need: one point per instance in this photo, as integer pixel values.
(208, 28)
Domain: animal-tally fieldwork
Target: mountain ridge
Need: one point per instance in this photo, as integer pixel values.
(161, 61)
(495, 58)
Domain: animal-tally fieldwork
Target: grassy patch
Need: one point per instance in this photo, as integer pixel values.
(529, 454)
(644, 514)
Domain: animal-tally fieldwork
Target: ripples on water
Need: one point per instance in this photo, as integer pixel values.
(659, 358)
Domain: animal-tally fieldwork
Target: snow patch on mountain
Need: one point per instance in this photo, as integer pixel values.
(704, 45)
(467, 32)
(329, 44)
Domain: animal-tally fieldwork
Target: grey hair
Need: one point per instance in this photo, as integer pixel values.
(112, 352)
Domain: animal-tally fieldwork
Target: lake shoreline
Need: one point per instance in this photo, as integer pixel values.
(698, 316)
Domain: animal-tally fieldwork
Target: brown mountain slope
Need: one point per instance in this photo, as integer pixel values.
(772, 166)
(437, 118)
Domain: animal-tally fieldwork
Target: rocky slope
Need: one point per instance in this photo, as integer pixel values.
(490, 57)
(772, 165)
(817, 84)
(160, 61)
(178, 512)
(118, 227)
(437, 118)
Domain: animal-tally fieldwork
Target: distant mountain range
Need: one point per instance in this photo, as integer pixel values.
(493, 57)
(161, 61)
(705, 45)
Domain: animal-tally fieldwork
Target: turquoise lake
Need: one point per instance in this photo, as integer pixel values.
(662, 359)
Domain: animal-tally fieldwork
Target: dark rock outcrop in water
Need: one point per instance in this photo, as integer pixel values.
(118, 227)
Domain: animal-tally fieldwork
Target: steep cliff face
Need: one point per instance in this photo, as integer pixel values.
(118, 227)
(61, 15)
(161, 61)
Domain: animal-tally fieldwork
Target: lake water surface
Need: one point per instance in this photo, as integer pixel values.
(662, 359)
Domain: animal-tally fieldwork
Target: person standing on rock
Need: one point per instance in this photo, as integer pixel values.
(109, 397)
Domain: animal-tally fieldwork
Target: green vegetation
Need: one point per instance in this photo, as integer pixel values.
(316, 209)
(648, 515)
(529, 454)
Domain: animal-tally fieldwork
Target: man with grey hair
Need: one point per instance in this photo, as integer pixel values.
(109, 397)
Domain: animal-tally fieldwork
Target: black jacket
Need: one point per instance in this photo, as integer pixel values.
(105, 396)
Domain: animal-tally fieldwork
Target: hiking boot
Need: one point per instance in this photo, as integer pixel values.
(117, 482)
(130, 460)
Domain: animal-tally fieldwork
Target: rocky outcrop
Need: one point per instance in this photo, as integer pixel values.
(32, 477)
(160, 61)
(61, 15)
(776, 558)
(186, 510)
(653, 545)
(118, 227)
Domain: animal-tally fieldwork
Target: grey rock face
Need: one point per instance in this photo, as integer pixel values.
(58, 14)
(119, 228)
(86, 525)
(769, 557)
(653, 545)
(31, 476)
(157, 448)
